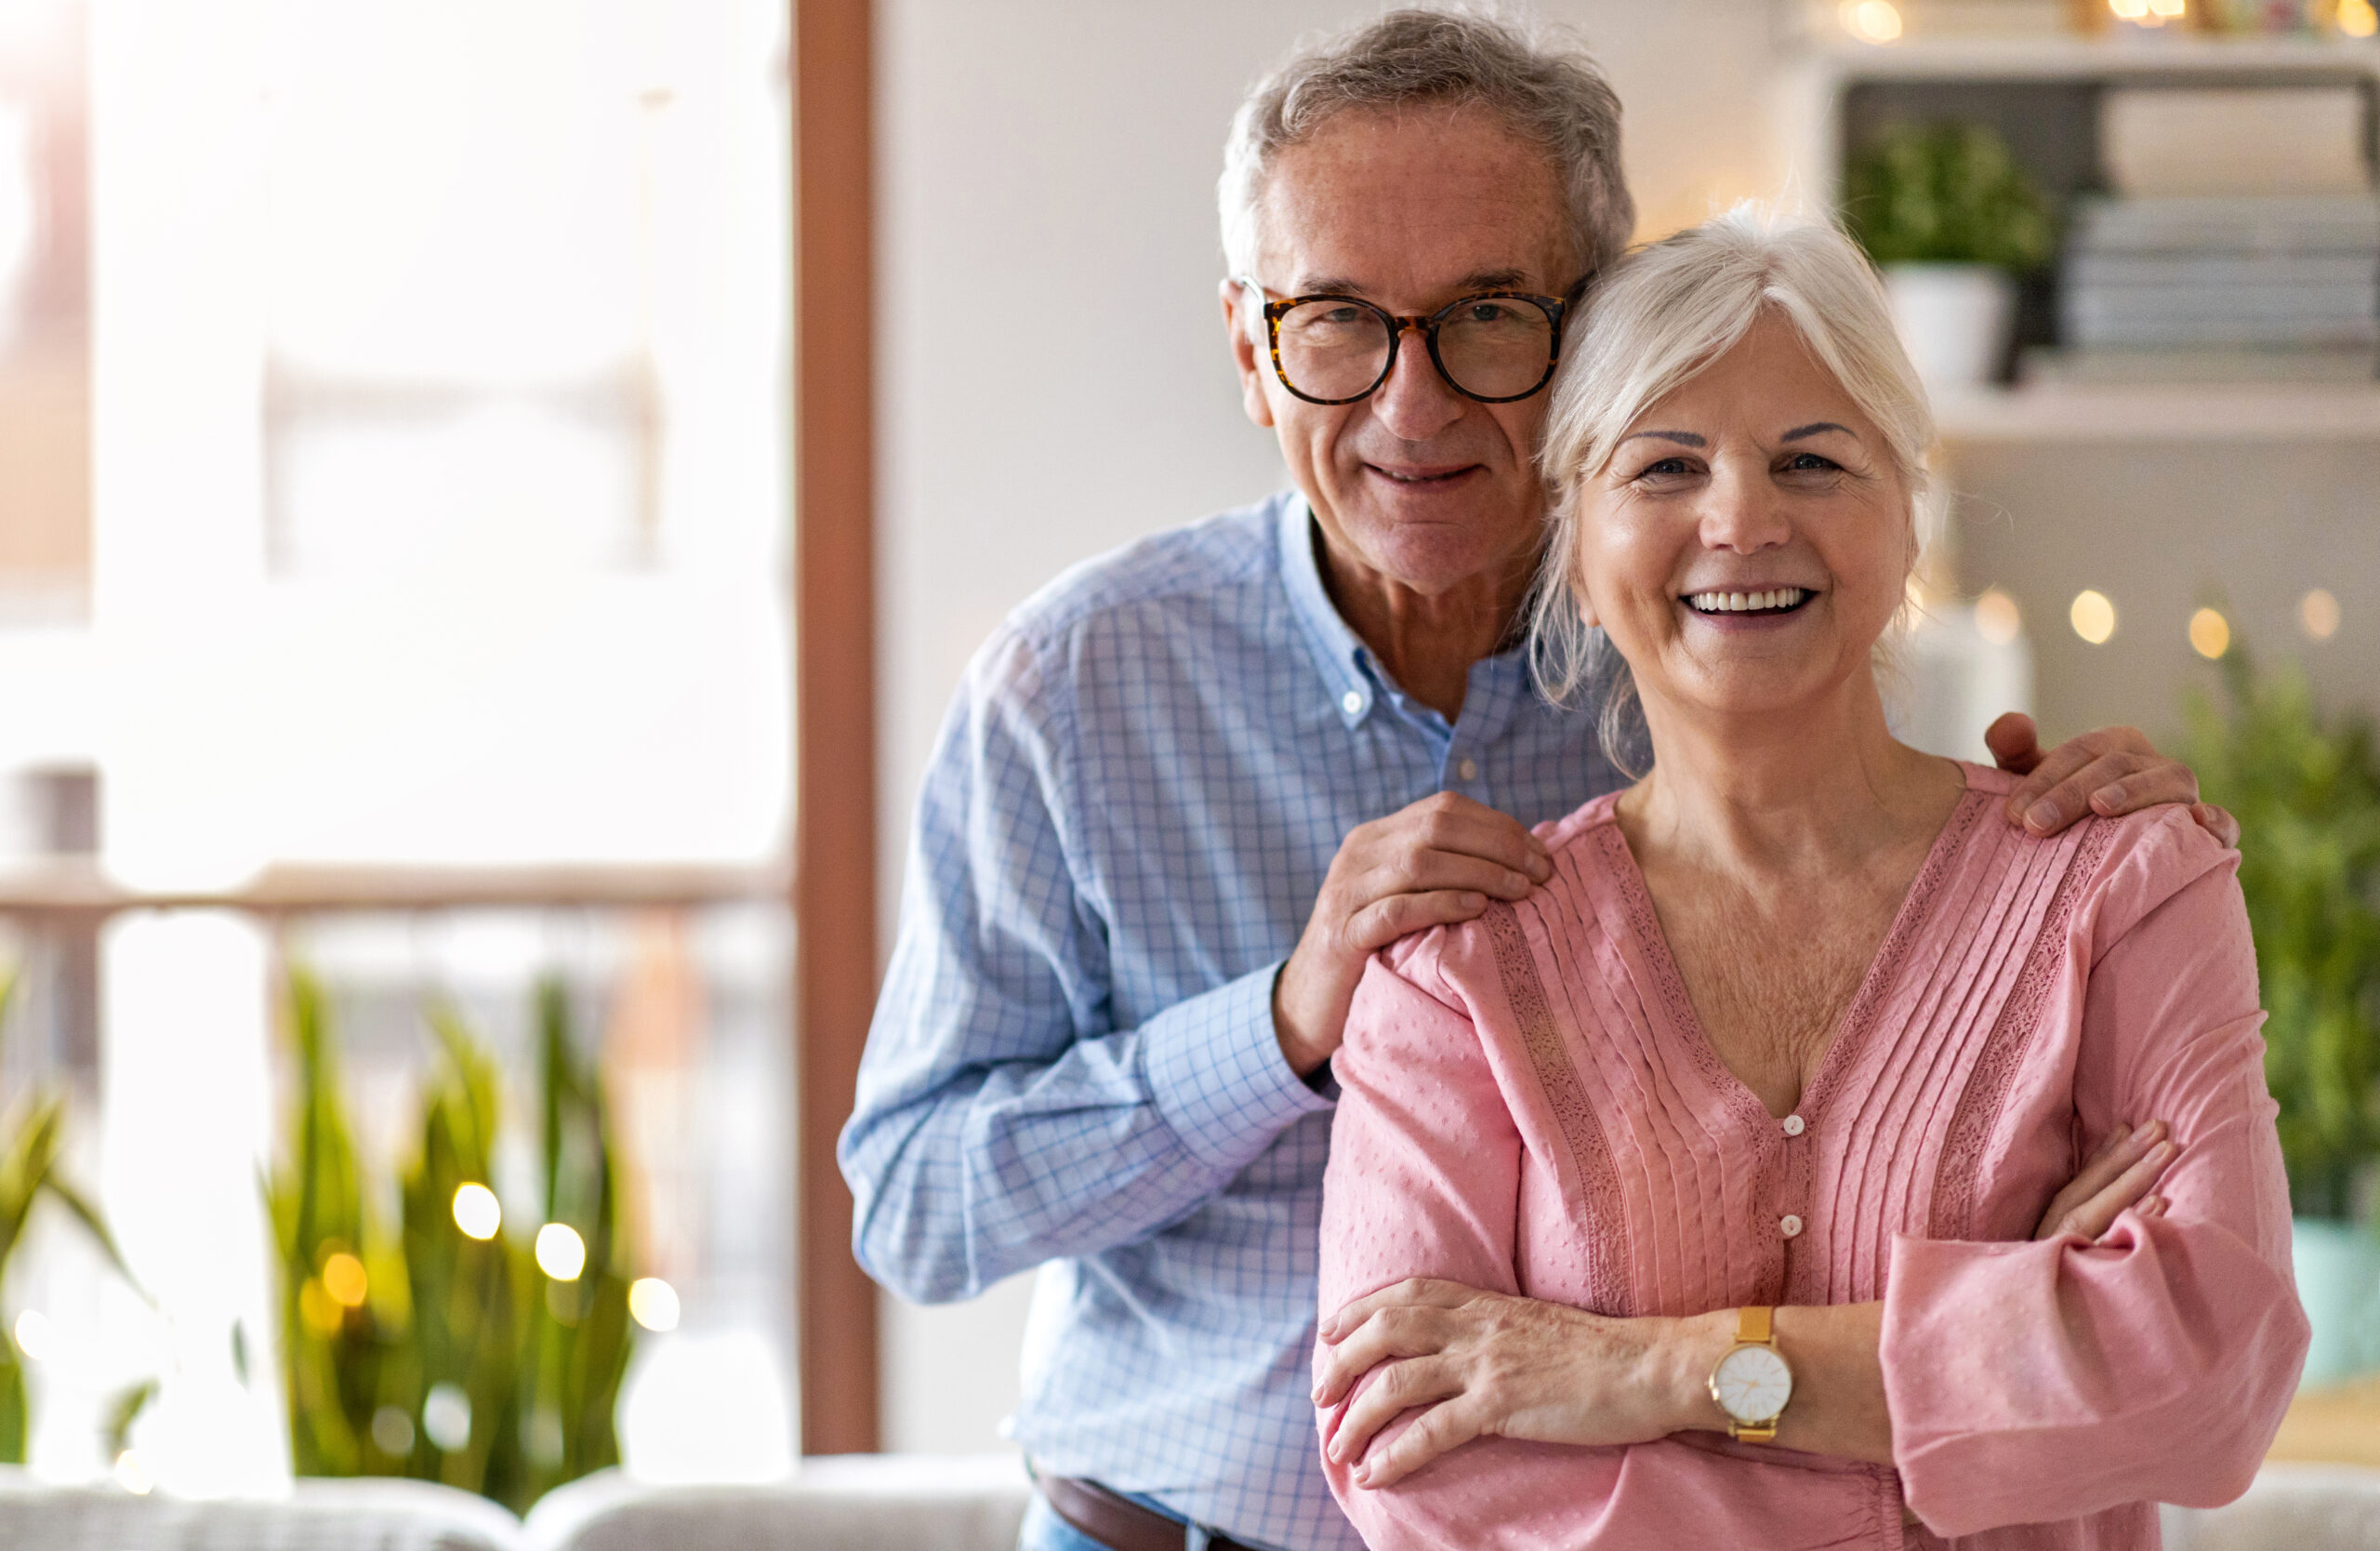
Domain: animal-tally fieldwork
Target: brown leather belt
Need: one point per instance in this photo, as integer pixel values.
(1119, 1522)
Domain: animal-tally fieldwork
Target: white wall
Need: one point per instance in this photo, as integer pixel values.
(1053, 376)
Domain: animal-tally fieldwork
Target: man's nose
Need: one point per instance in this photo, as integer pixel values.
(1740, 512)
(1414, 402)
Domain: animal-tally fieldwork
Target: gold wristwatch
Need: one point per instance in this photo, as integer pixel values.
(1752, 1382)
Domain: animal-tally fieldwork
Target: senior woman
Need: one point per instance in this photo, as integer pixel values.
(1689, 1201)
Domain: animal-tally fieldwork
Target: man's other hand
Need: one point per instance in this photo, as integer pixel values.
(2114, 770)
(1441, 860)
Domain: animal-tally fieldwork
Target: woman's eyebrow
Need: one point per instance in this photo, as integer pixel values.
(1813, 428)
(1683, 438)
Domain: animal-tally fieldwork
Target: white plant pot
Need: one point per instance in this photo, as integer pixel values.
(2337, 1267)
(1955, 321)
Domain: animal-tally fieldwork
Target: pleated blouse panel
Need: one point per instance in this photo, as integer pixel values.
(1653, 1182)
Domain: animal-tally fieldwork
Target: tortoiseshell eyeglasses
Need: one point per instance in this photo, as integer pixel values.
(1495, 347)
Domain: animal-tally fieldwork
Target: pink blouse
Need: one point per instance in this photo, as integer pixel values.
(1531, 1105)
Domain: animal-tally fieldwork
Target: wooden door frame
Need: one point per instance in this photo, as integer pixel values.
(834, 596)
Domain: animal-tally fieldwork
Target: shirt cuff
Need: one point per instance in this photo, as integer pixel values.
(1217, 1073)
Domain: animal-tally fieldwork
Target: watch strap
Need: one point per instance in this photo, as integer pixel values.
(1756, 1326)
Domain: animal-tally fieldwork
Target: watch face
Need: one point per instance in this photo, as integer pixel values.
(1751, 1383)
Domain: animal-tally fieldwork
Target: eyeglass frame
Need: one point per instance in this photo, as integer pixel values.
(1557, 310)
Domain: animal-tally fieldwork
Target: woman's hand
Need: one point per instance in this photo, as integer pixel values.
(1487, 1364)
(2120, 1173)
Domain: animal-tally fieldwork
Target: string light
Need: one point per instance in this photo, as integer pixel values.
(1872, 20)
(477, 1211)
(36, 1337)
(561, 1255)
(2093, 616)
(2357, 19)
(2210, 635)
(654, 1302)
(131, 1475)
(343, 1279)
(1996, 617)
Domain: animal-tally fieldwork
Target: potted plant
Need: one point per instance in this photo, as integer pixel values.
(1952, 221)
(2306, 790)
(442, 1345)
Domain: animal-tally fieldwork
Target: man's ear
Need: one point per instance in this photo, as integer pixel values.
(1237, 322)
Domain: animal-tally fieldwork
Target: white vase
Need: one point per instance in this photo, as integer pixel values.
(1955, 321)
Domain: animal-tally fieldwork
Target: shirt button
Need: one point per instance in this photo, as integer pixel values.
(1794, 1125)
(1352, 703)
(1468, 770)
(1789, 1225)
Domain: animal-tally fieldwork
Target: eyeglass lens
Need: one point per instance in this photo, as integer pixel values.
(1492, 348)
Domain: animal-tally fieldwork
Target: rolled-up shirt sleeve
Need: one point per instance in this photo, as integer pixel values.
(1002, 1119)
(2040, 1380)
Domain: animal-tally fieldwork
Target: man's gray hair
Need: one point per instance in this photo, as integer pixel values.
(1653, 324)
(1540, 84)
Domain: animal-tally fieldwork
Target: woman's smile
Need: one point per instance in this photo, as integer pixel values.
(1753, 608)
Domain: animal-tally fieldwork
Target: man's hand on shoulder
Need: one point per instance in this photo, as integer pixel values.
(1438, 861)
(2112, 770)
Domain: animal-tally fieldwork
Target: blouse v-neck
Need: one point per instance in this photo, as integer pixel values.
(1858, 1018)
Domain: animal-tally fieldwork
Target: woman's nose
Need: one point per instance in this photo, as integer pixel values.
(1414, 402)
(1742, 514)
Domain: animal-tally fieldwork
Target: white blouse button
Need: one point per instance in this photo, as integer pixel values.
(1468, 770)
(1794, 1125)
(1791, 1226)
(1352, 702)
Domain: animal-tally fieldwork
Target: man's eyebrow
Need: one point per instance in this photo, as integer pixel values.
(1478, 280)
(1683, 438)
(1813, 428)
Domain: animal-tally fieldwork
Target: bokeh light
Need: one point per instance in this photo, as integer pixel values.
(2357, 19)
(654, 1302)
(131, 1475)
(561, 1255)
(1997, 618)
(2093, 616)
(1872, 20)
(343, 1280)
(2210, 635)
(2317, 612)
(477, 1211)
(447, 1416)
(392, 1431)
(36, 1337)
(322, 1313)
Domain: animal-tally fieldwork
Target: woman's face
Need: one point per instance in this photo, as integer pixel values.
(1751, 538)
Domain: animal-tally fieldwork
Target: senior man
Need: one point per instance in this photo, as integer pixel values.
(1187, 791)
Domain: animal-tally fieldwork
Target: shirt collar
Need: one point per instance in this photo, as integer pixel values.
(1338, 652)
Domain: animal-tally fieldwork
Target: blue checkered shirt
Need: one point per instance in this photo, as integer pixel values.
(1132, 803)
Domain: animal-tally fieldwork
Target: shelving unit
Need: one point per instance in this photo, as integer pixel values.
(1812, 106)
(2199, 412)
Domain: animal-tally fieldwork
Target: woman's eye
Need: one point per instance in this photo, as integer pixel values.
(1810, 463)
(1665, 465)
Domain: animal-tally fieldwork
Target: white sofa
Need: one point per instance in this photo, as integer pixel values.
(862, 1503)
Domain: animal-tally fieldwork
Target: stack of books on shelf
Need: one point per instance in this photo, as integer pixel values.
(2241, 243)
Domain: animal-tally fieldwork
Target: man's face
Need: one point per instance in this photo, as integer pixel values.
(1411, 210)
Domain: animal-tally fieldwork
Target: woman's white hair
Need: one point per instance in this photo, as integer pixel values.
(1535, 78)
(1655, 321)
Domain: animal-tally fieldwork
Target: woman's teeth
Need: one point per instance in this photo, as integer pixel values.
(1747, 602)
